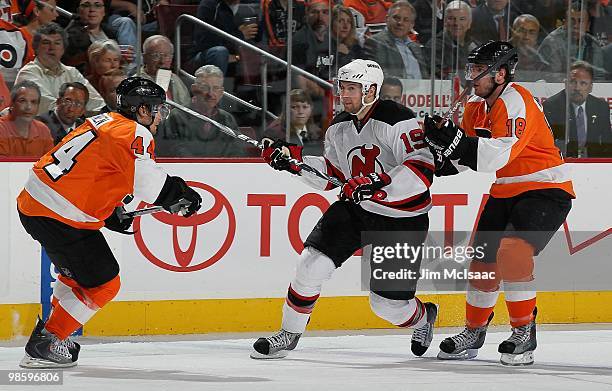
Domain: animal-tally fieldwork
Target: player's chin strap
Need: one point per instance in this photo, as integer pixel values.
(364, 105)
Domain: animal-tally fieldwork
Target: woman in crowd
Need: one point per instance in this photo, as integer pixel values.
(32, 15)
(303, 131)
(344, 35)
(103, 56)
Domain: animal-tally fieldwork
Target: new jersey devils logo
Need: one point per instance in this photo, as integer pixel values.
(215, 244)
(364, 160)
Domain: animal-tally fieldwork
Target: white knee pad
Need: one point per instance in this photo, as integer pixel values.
(313, 269)
(398, 312)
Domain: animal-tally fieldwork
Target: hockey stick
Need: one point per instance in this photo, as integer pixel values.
(457, 102)
(468, 88)
(180, 206)
(240, 136)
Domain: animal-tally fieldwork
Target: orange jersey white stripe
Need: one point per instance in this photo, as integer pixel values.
(82, 179)
(520, 149)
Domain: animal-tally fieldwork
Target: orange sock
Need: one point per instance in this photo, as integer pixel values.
(78, 306)
(521, 312)
(476, 316)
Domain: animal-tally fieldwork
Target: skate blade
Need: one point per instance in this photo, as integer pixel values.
(274, 356)
(38, 363)
(517, 359)
(464, 355)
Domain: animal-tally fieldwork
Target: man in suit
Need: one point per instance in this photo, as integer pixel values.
(590, 134)
(397, 55)
(490, 21)
(69, 111)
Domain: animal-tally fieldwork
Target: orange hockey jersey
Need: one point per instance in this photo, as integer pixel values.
(82, 179)
(520, 149)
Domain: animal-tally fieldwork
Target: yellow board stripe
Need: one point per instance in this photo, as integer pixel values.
(332, 313)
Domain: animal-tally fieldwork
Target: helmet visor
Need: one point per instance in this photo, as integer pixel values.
(472, 71)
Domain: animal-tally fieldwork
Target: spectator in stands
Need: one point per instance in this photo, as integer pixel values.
(393, 50)
(121, 19)
(20, 133)
(14, 39)
(373, 11)
(303, 130)
(212, 49)
(549, 13)
(108, 88)
(454, 43)
(83, 31)
(158, 53)
(311, 47)
(102, 56)
(187, 136)
(531, 66)
(33, 14)
(69, 110)
(344, 37)
(5, 94)
(590, 134)
(392, 89)
(422, 24)
(275, 22)
(584, 46)
(492, 20)
(49, 73)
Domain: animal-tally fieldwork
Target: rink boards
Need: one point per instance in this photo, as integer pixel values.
(229, 268)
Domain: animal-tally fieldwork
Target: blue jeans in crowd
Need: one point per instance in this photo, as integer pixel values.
(217, 55)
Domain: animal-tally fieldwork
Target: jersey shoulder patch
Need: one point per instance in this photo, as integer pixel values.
(98, 120)
(391, 112)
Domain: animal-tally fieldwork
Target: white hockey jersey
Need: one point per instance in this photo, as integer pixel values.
(390, 140)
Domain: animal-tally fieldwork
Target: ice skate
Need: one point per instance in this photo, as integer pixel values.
(422, 336)
(464, 345)
(518, 349)
(45, 350)
(276, 346)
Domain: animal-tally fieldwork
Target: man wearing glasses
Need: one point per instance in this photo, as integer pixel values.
(185, 135)
(158, 53)
(69, 110)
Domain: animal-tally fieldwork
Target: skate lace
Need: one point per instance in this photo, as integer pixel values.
(69, 343)
(282, 339)
(60, 348)
(420, 334)
(520, 334)
(465, 338)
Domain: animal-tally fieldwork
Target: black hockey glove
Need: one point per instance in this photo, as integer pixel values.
(361, 188)
(447, 141)
(119, 222)
(176, 196)
(275, 153)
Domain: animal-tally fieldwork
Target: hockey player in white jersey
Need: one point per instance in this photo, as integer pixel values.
(376, 147)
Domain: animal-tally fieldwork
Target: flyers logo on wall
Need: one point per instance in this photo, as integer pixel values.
(182, 244)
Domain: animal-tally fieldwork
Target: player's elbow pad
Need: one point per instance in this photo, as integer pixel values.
(172, 191)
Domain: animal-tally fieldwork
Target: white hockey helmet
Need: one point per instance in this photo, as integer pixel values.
(364, 72)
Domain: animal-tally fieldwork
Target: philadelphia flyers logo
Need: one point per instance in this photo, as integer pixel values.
(363, 160)
(8, 56)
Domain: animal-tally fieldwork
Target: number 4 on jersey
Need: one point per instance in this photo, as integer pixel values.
(138, 147)
(65, 156)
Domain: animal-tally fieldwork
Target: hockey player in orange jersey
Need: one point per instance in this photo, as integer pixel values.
(504, 131)
(76, 189)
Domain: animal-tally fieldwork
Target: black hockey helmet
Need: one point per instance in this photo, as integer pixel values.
(489, 54)
(134, 92)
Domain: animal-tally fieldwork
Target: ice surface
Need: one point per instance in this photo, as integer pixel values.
(565, 360)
